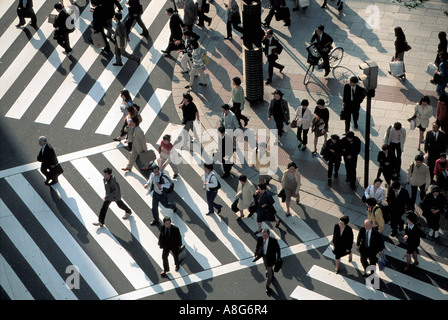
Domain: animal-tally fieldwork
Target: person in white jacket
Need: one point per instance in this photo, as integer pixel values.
(375, 191)
(304, 117)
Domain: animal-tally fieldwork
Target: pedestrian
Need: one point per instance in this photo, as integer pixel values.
(386, 164)
(333, 154)
(342, 241)
(268, 249)
(423, 111)
(166, 152)
(228, 119)
(265, 207)
(433, 206)
(279, 110)
(369, 245)
(272, 49)
(418, 177)
(412, 236)
(135, 14)
(121, 42)
(262, 162)
(398, 203)
(25, 10)
(441, 47)
(197, 65)
(375, 191)
(304, 118)
(109, 11)
(401, 46)
(190, 42)
(211, 186)
(190, 114)
(176, 26)
(190, 14)
(128, 110)
(50, 166)
(395, 138)
(244, 195)
(320, 126)
(351, 104)
(441, 173)
(233, 19)
(203, 8)
(291, 185)
(161, 184)
(137, 137)
(441, 74)
(99, 22)
(351, 147)
(435, 144)
(323, 42)
(225, 151)
(113, 193)
(375, 215)
(170, 240)
(276, 9)
(62, 30)
(238, 101)
(442, 112)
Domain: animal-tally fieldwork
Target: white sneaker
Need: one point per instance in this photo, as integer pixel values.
(431, 233)
(436, 234)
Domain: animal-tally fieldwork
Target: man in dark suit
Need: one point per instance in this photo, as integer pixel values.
(324, 43)
(109, 11)
(369, 244)
(135, 14)
(351, 147)
(435, 144)
(176, 29)
(25, 10)
(272, 49)
(268, 249)
(351, 103)
(61, 32)
(169, 240)
(50, 166)
(226, 151)
(99, 22)
(120, 42)
(399, 202)
(277, 7)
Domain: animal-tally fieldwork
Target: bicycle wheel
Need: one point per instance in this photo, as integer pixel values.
(308, 74)
(335, 57)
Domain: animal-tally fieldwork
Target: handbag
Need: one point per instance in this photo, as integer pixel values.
(282, 195)
(235, 206)
(294, 123)
(342, 115)
(98, 40)
(412, 124)
(382, 261)
(408, 47)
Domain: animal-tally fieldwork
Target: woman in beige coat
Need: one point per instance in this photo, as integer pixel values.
(244, 194)
(291, 185)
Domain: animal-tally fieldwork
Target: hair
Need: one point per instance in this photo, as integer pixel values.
(221, 129)
(278, 92)
(167, 137)
(136, 120)
(443, 155)
(237, 81)
(354, 79)
(334, 137)
(418, 157)
(118, 15)
(242, 178)
(395, 185)
(424, 99)
(270, 31)
(443, 98)
(170, 10)
(262, 186)
(371, 202)
(385, 147)
(399, 34)
(58, 6)
(442, 36)
(188, 97)
(377, 180)
(305, 102)
(132, 111)
(208, 166)
(43, 139)
(292, 164)
(154, 167)
(321, 102)
(345, 219)
(108, 171)
(166, 218)
(126, 94)
(321, 27)
(225, 106)
(397, 125)
(350, 134)
(266, 230)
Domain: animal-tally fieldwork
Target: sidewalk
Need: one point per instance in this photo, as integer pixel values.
(394, 100)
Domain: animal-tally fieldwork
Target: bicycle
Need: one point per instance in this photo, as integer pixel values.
(315, 59)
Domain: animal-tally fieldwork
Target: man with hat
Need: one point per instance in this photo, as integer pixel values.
(170, 239)
(351, 103)
(279, 109)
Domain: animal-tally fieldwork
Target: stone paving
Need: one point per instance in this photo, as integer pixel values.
(394, 99)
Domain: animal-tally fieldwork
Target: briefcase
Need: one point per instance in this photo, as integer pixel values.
(52, 18)
(146, 157)
(98, 40)
(278, 265)
(182, 253)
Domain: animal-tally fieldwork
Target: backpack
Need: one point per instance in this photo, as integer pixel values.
(385, 211)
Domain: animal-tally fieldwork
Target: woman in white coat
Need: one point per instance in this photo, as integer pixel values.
(423, 112)
(244, 194)
(304, 117)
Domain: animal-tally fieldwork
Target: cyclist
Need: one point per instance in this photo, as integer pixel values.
(323, 42)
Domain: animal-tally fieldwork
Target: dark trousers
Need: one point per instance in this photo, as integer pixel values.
(202, 17)
(332, 165)
(163, 199)
(326, 60)
(395, 148)
(64, 41)
(235, 26)
(302, 135)
(350, 168)
(279, 125)
(272, 58)
(271, 14)
(106, 205)
(165, 254)
(414, 193)
(368, 258)
(211, 195)
(395, 219)
(237, 111)
(354, 111)
(26, 13)
(130, 21)
(387, 172)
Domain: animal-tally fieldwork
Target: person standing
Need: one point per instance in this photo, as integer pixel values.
(170, 240)
(113, 193)
(433, 206)
(401, 46)
(159, 183)
(228, 119)
(135, 14)
(386, 164)
(395, 138)
(190, 14)
(442, 112)
(268, 249)
(320, 120)
(333, 155)
(375, 191)
(291, 185)
(279, 109)
(50, 166)
(412, 236)
(353, 97)
(244, 194)
(121, 42)
(342, 241)
(25, 10)
(398, 203)
(190, 114)
(137, 137)
(272, 49)
(351, 147)
(435, 144)
(61, 32)
(202, 9)
(423, 111)
(176, 26)
(265, 207)
(369, 244)
(418, 177)
(211, 186)
(238, 101)
(304, 117)
(233, 19)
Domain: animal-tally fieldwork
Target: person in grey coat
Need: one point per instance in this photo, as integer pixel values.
(121, 42)
(190, 14)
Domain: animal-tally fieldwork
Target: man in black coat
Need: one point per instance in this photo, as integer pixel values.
(225, 151)
(399, 202)
(50, 166)
(169, 240)
(268, 249)
(61, 32)
(109, 11)
(135, 14)
(351, 147)
(99, 21)
(351, 103)
(323, 42)
(369, 244)
(176, 29)
(435, 144)
(25, 10)
(272, 48)
(277, 8)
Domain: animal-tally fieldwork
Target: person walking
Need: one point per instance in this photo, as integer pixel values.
(135, 14)
(441, 47)
(265, 207)
(211, 186)
(303, 117)
(395, 138)
(351, 147)
(25, 10)
(137, 137)
(375, 191)
(203, 8)
(418, 176)
(170, 240)
(166, 152)
(320, 122)
(268, 248)
(244, 195)
(291, 185)
(113, 193)
(333, 154)
(238, 101)
(190, 114)
(225, 152)
(277, 8)
(279, 110)
(442, 74)
(62, 32)
(50, 166)
(398, 203)
(99, 22)
(228, 119)
(369, 245)
(433, 205)
(441, 173)
(423, 112)
(351, 104)
(342, 241)
(190, 14)
(121, 42)
(160, 183)
(386, 164)
(197, 65)
(442, 112)
(187, 47)
(435, 144)
(233, 19)
(128, 110)
(109, 11)
(412, 236)
(401, 46)
(272, 48)
(375, 215)
(176, 27)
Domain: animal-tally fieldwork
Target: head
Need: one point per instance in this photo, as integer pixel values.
(42, 140)
(424, 100)
(167, 138)
(435, 191)
(399, 32)
(385, 148)
(370, 203)
(443, 99)
(261, 188)
(236, 81)
(187, 34)
(269, 33)
(334, 138)
(117, 16)
(169, 11)
(368, 224)
(397, 126)
(353, 81)
(305, 103)
(442, 36)
(411, 219)
(222, 131)
(292, 167)
(125, 95)
(350, 135)
(242, 178)
(208, 168)
(225, 109)
(435, 126)
(58, 7)
(320, 29)
(320, 103)
(278, 94)
(265, 233)
(377, 182)
(130, 110)
(396, 186)
(187, 98)
(136, 120)
(167, 221)
(442, 157)
(343, 221)
(418, 160)
(107, 172)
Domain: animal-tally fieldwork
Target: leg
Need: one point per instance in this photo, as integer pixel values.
(140, 22)
(268, 18)
(202, 74)
(184, 62)
(305, 137)
(129, 56)
(229, 29)
(163, 198)
(123, 206)
(165, 253)
(103, 211)
(155, 206)
(192, 74)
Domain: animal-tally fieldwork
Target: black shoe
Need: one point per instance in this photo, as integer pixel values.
(295, 9)
(200, 25)
(268, 291)
(394, 233)
(118, 64)
(203, 84)
(145, 34)
(341, 7)
(287, 24)
(154, 222)
(225, 175)
(228, 38)
(210, 22)
(326, 73)
(268, 81)
(281, 69)
(329, 182)
(219, 210)
(356, 125)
